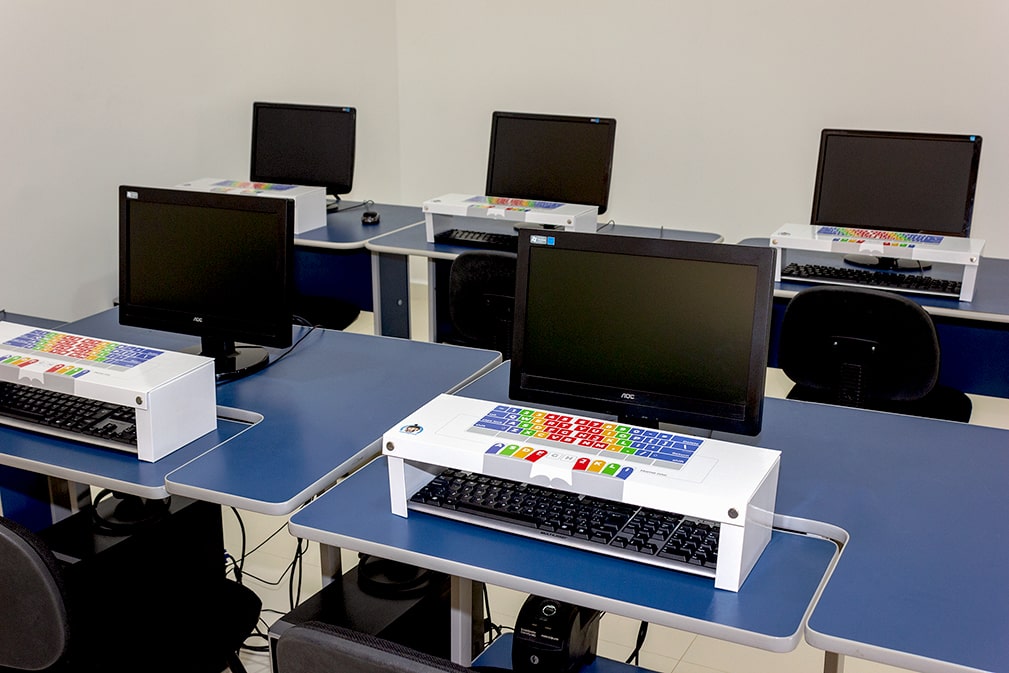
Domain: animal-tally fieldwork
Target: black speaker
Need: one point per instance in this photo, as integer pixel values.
(554, 637)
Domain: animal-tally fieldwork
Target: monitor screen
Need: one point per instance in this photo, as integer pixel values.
(213, 265)
(551, 158)
(908, 182)
(304, 145)
(647, 330)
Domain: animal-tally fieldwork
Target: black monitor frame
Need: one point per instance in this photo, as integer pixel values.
(701, 379)
(172, 282)
(896, 181)
(571, 159)
(317, 152)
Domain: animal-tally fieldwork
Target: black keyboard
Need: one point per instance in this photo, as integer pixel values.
(614, 528)
(478, 239)
(890, 280)
(68, 415)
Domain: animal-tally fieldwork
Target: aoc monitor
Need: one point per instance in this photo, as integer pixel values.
(216, 266)
(551, 158)
(309, 145)
(896, 181)
(646, 330)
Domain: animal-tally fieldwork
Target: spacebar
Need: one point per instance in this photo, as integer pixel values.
(491, 513)
(23, 415)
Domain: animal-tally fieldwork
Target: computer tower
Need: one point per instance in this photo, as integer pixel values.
(143, 588)
(415, 615)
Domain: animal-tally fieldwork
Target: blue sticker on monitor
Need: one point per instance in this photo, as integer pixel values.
(537, 239)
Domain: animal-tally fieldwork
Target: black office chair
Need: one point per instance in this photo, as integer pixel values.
(481, 298)
(44, 630)
(868, 348)
(317, 647)
(36, 627)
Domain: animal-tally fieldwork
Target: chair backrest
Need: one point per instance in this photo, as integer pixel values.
(481, 298)
(859, 346)
(35, 633)
(317, 647)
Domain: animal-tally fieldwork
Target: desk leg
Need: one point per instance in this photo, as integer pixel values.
(461, 621)
(332, 564)
(833, 662)
(390, 281)
(466, 620)
(67, 497)
(432, 301)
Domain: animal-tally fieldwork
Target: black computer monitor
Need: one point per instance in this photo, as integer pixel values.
(896, 181)
(304, 145)
(648, 330)
(217, 266)
(551, 158)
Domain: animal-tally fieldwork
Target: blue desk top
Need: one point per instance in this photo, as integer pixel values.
(895, 484)
(344, 229)
(325, 405)
(767, 612)
(413, 240)
(901, 594)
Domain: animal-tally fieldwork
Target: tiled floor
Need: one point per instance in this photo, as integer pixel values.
(666, 650)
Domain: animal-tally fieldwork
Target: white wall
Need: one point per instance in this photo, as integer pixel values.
(105, 92)
(719, 104)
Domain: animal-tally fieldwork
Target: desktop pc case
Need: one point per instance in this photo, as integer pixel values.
(309, 202)
(498, 214)
(416, 614)
(172, 394)
(144, 596)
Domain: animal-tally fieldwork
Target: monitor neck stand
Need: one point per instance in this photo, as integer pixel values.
(886, 263)
(230, 361)
(337, 204)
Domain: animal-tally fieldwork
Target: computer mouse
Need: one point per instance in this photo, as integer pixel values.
(369, 217)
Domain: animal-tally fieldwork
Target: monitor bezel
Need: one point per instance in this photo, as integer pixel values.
(748, 417)
(333, 188)
(974, 139)
(270, 327)
(606, 122)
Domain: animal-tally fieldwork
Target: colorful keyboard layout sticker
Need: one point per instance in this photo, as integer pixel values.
(513, 204)
(603, 441)
(606, 468)
(253, 186)
(81, 348)
(894, 238)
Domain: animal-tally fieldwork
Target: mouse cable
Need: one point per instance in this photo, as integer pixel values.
(642, 632)
(257, 632)
(491, 630)
(239, 565)
(367, 203)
